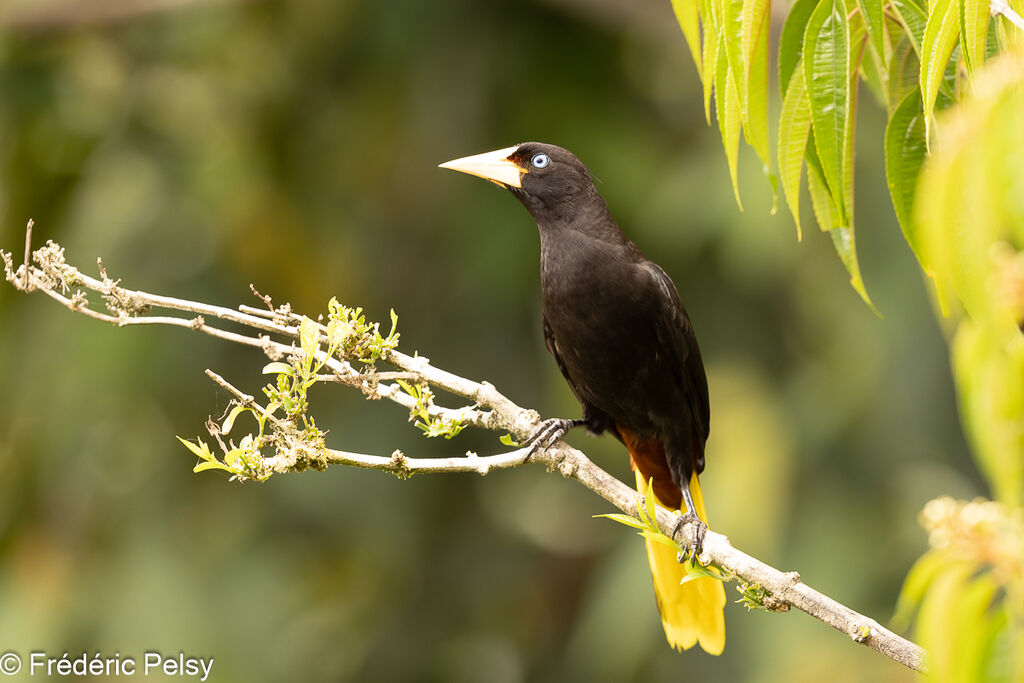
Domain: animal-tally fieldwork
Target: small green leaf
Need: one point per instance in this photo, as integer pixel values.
(973, 609)
(689, 21)
(990, 393)
(659, 537)
(821, 201)
(201, 450)
(709, 58)
(791, 43)
(903, 71)
(794, 130)
(752, 595)
(230, 421)
(211, 465)
(695, 570)
(338, 331)
(875, 20)
(231, 456)
(270, 409)
(732, 41)
(992, 47)
(842, 240)
(410, 389)
(874, 72)
(755, 44)
(905, 147)
(913, 18)
(727, 107)
(973, 32)
(826, 75)
(649, 500)
(507, 440)
(857, 43)
(278, 369)
(309, 336)
(940, 36)
(937, 626)
(946, 96)
(624, 519)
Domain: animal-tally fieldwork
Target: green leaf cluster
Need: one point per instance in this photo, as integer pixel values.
(729, 41)
(967, 230)
(753, 596)
(354, 338)
(348, 336)
(915, 57)
(430, 426)
(951, 79)
(967, 592)
(296, 377)
(209, 461)
(245, 460)
(293, 430)
(821, 54)
(968, 234)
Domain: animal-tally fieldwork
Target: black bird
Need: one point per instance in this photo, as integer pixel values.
(622, 339)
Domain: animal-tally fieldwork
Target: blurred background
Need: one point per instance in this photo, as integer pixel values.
(199, 146)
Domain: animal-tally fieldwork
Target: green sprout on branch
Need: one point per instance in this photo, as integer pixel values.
(753, 596)
(646, 524)
(244, 460)
(356, 338)
(430, 426)
(293, 431)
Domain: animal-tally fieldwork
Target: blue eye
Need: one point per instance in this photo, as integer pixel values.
(540, 160)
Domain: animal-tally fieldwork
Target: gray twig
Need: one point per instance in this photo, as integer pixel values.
(1002, 7)
(28, 250)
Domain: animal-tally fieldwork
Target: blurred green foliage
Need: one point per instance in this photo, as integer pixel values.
(968, 232)
(961, 212)
(294, 145)
(974, 179)
(966, 591)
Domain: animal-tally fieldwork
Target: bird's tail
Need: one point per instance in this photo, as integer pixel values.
(691, 612)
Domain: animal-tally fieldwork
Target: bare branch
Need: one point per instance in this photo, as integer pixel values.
(784, 587)
(275, 331)
(997, 7)
(28, 250)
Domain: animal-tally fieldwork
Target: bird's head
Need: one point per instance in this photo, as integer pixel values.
(547, 179)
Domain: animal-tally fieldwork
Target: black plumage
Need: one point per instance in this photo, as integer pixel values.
(613, 319)
(615, 324)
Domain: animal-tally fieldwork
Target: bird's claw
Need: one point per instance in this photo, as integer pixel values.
(548, 432)
(700, 529)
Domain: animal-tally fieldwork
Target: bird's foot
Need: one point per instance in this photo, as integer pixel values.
(548, 432)
(700, 529)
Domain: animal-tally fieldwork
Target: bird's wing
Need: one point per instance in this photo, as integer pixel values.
(549, 342)
(596, 420)
(679, 342)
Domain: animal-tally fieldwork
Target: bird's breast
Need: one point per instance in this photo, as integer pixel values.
(597, 303)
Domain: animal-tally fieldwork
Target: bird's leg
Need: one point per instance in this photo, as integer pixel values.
(548, 432)
(699, 527)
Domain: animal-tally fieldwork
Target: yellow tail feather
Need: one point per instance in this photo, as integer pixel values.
(691, 612)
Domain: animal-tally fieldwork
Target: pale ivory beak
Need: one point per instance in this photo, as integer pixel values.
(494, 166)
